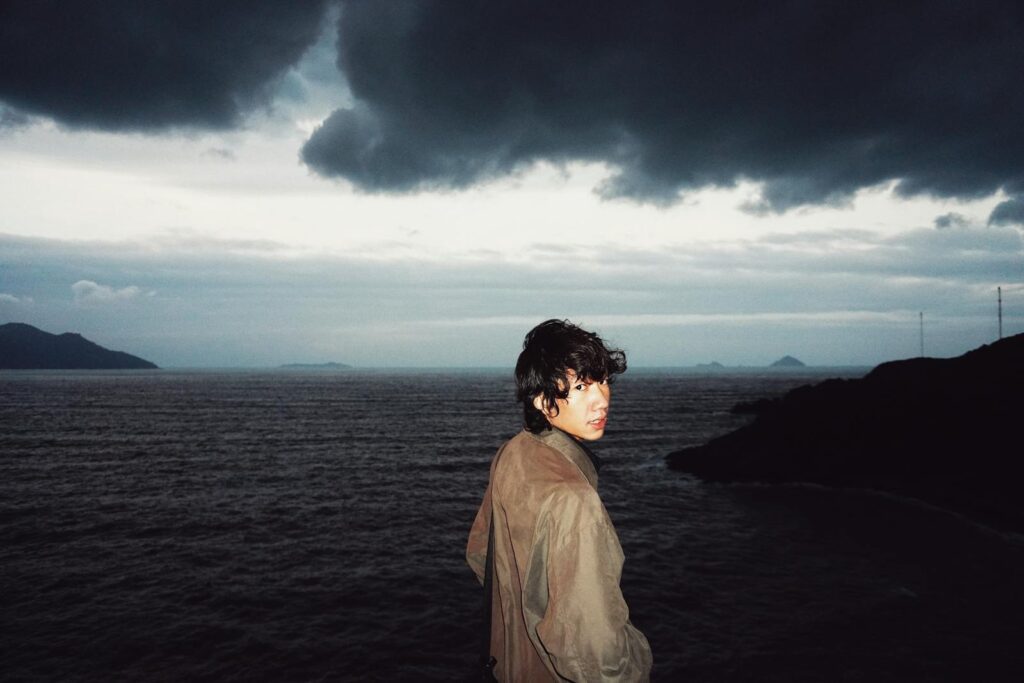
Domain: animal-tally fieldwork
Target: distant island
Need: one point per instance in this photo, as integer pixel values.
(784, 363)
(788, 362)
(317, 366)
(24, 347)
(946, 431)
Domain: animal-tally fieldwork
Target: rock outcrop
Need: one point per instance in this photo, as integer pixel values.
(947, 431)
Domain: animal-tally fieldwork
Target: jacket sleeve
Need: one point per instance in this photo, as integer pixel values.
(585, 626)
(476, 546)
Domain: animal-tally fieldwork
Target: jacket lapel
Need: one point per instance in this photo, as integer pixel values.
(573, 450)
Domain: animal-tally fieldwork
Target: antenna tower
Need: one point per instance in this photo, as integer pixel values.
(1000, 290)
(920, 319)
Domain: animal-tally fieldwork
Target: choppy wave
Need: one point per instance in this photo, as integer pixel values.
(311, 526)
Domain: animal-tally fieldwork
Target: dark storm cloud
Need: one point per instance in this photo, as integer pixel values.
(951, 220)
(124, 65)
(816, 99)
(10, 119)
(1010, 212)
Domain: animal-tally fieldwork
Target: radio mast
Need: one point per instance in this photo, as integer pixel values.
(920, 318)
(1000, 291)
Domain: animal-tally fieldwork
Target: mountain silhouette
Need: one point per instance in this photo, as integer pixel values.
(24, 347)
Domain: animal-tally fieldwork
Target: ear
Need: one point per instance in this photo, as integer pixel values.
(538, 403)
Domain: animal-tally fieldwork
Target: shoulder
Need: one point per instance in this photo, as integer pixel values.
(529, 457)
(553, 482)
(575, 504)
(529, 474)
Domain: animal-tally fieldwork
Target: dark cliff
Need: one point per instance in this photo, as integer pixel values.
(947, 431)
(23, 347)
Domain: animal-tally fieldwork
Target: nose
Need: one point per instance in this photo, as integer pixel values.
(602, 397)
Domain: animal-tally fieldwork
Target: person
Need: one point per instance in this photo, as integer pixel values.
(557, 612)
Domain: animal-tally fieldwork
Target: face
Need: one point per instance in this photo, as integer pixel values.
(584, 412)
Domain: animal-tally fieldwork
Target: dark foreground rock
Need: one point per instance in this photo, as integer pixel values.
(948, 431)
(23, 347)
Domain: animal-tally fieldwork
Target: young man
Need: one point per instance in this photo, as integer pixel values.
(557, 610)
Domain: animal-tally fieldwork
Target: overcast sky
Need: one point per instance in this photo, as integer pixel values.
(418, 183)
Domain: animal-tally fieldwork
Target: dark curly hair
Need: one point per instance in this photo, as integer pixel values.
(550, 350)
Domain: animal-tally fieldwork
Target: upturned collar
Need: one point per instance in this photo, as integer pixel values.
(581, 456)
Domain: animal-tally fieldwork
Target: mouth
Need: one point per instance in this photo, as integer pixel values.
(599, 423)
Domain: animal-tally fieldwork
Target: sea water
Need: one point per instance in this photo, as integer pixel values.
(307, 526)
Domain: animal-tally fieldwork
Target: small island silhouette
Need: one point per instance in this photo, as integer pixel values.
(317, 366)
(946, 431)
(24, 347)
(788, 362)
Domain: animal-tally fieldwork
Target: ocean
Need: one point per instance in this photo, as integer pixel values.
(310, 526)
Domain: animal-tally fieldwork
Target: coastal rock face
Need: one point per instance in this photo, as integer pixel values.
(23, 347)
(943, 430)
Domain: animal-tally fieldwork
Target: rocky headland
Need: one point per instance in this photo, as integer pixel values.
(24, 347)
(947, 431)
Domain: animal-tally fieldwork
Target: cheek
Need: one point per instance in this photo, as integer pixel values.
(581, 407)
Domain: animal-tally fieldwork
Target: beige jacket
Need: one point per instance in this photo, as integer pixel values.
(558, 612)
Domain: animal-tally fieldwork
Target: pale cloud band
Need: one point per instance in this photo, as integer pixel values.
(89, 292)
(683, 320)
(828, 298)
(14, 300)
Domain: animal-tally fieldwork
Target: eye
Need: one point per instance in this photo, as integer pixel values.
(580, 387)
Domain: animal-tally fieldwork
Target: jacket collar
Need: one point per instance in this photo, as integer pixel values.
(576, 452)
